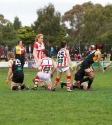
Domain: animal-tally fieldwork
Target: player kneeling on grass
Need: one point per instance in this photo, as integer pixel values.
(15, 73)
(79, 80)
(46, 71)
(75, 85)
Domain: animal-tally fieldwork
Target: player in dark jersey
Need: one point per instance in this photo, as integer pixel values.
(78, 78)
(94, 55)
(15, 73)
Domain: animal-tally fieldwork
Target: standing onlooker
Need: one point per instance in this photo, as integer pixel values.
(109, 63)
(63, 63)
(56, 50)
(105, 55)
(20, 52)
(51, 51)
(85, 50)
(37, 51)
(6, 50)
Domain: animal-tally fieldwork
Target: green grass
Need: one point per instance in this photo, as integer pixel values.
(42, 107)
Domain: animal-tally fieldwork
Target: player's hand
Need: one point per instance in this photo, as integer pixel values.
(93, 69)
(51, 75)
(99, 69)
(32, 66)
(71, 68)
(7, 81)
(74, 72)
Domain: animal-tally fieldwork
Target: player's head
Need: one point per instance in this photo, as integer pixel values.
(19, 42)
(45, 53)
(10, 55)
(99, 46)
(39, 37)
(92, 47)
(63, 44)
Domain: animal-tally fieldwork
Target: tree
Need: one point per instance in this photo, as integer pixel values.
(48, 23)
(74, 18)
(2, 22)
(17, 24)
(9, 34)
(97, 22)
(26, 34)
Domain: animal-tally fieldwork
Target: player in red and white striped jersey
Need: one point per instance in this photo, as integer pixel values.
(38, 47)
(46, 72)
(63, 63)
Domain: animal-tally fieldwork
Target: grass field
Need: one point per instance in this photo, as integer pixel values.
(42, 107)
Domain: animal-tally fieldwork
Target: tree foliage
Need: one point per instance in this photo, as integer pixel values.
(48, 23)
(7, 32)
(17, 24)
(74, 18)
(26, 34)
(97, 22)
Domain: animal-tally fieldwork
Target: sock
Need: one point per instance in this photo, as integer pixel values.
(68, 82)
(74, 86)
(41, 82)
(56, 82)
(14, 87)
(22, 87)
(84, 80)
(64, 84)
(104, 68)
(36, 81)
(89, 83)
(49, 87)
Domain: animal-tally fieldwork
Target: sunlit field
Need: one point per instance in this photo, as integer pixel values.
(43, 107)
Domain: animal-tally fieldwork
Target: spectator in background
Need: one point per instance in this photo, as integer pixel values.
(85, 50)
(76, 51)
(79, 57)
(20, 52)
(75, 57)
(51, 51)
(6, 50)
(110, 63)
(1, 49)
(83, 56)
(56, 50)
(29, 49)
(105, 55)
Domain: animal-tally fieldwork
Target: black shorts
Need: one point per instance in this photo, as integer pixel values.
(18, 78)
(78, 77)
(85, 65)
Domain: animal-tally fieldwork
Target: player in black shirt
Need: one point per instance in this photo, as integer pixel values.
(15, 73)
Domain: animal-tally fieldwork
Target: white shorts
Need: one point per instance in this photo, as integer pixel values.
(62, 69)
(44, 76)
